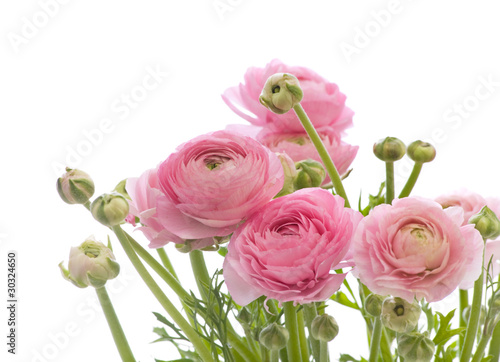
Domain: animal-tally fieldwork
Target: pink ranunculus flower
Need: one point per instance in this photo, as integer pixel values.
(323, 102)
(469, 201)
(415, 248)
(298, 147)
(214, 182)
(288, 249)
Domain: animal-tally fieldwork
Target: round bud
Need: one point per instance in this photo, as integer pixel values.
(487, 223)
(389, 149)
(92, 263)
(373, 304)
(75, 187)
(281, 92)
(420, 151)
(310, 173)
(324, 328)
(274, 337)
(416, 347)
(110, 209)
(399, 315)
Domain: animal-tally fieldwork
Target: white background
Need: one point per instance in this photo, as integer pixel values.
(64, 67)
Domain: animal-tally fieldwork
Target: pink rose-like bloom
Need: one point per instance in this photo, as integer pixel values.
(214, 182)
(287, 250)
(298, 147)
(415, 248)
(322, 101)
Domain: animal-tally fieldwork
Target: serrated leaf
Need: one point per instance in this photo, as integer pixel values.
(161, 318)
(349, 358)
(430, 316)
(444, 334)
(341, 298)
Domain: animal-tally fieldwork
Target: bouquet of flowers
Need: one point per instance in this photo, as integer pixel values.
(268, 198)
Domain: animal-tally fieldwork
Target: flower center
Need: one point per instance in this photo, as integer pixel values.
(213, 161)
(276, 89)
(399, 310)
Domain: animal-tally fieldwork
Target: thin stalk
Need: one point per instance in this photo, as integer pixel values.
(310, 313)
(494, 349)
(323, 351)
(478, 356)
(389, 182)
(323, 153)
(275, 355)
(463, 304)
(302, 335)
(471, 332)
(115, 326)
(166, 262)
(176, 316)
(293, 345)
(412, 180)
(375, 342)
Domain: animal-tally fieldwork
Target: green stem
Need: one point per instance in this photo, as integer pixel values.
(494, 349)
(389, 182)
(115, 326)
(293, 345)
(375, 342)
(417, 167)
(480, 348)
(471, 332)
(176, 316)
(323, 153)
(275, 355)
(310, 313)
(166, 262)
(302, 335)
(323, 351)
(463, 304)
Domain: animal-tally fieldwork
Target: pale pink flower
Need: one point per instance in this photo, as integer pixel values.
(288, 250)
(322, 101)
(415, 248)
(214, 182)
(298, 147)
(469, 201)
(144, 192)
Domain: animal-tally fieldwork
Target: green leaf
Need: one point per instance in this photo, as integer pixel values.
(341, 298)
(349, 358)
(444, 333)
(222, 251)
(430, 316)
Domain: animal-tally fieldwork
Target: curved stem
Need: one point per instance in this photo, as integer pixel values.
(494, 349)
(470, 334)
(389, 182)
(275, 355)
(417, 167)
(463, 304)
(478, 356)
(302, 336)
(176, 316)
(375, 343)
(293, 345)
(115, 326)
(166, 262)
(323, 153)
(310, 313)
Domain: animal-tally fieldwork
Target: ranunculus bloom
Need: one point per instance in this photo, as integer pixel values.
(288, 249)
(415, 248)
(469, 201)
(322, 101)
(298, 147)
(214, 182)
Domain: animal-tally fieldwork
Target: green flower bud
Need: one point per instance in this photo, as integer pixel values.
(420, 151)
(120, 188)
(389, 149)
(290, 174)
(324, 328)
(75, 187)
(274, 336)
(399, 315)
(244, 316)
(373, 304)
(92, 263)
(310, 173)
(110, 209)
(487, 223)
(281, 92)
(416, 347)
